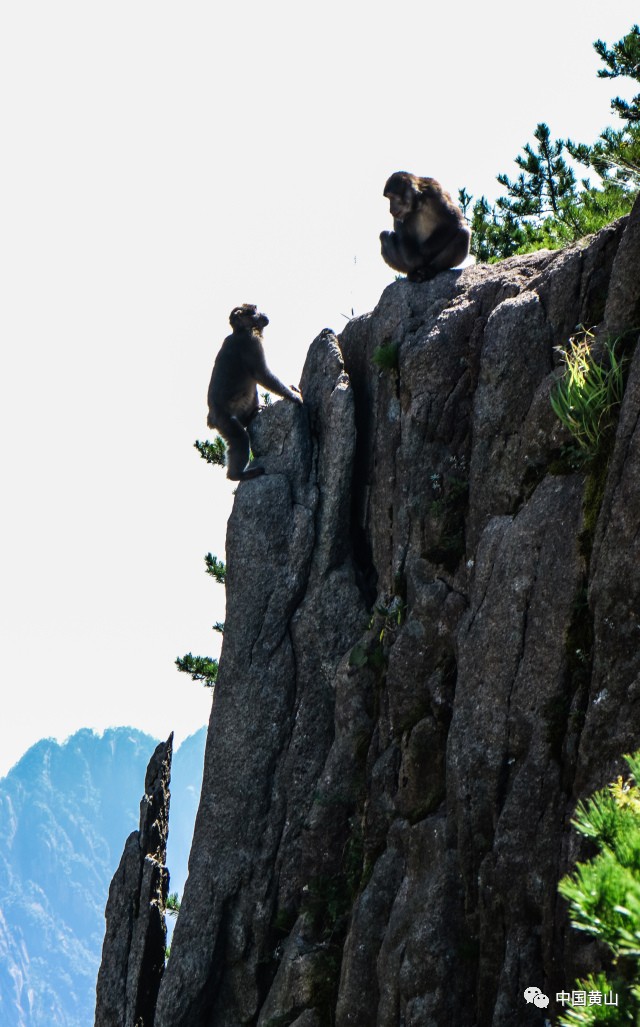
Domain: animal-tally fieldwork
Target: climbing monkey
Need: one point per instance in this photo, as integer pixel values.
(233, 395)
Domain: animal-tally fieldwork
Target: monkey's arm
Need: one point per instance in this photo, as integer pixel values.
(257, 365)
(394, 253)
(273, 384)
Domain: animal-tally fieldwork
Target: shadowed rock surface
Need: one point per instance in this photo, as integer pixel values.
(133, 954)
(431, 652)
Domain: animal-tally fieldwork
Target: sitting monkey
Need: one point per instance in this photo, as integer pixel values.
(233, 396)
(430, 233)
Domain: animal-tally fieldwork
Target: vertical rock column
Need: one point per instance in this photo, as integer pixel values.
(293, 608)
(133, 953)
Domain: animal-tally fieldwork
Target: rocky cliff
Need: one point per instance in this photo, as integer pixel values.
(133, 953)
(431, 652)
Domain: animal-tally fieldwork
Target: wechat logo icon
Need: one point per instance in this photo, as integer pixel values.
(537, 997)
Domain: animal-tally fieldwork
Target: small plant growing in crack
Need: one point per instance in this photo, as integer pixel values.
(386, 356)
(587, 397)
(387, 617)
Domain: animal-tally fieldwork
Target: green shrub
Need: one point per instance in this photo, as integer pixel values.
(386, 356)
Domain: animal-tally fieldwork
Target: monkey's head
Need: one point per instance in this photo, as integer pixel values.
(400, 191)
(247, 318)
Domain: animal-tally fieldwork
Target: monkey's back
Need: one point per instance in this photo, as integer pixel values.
(233, 387)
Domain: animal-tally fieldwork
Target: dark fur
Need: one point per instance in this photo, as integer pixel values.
(429, 231)
(233, 395)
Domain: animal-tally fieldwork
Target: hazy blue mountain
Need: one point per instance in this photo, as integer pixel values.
(65, 813)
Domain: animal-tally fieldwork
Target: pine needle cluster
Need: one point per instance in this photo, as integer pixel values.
(546, 206)
(604, 899)
(213, 452)
(205, 668)
(216, 568)
(201, 668)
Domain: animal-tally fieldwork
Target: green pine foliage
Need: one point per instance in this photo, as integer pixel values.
(495, 234)
(201, 668)
(213, 452)
(616, 154)
(604, 899)
(173, 904)
(545, 206)
(545, 186)
(205, 668)
(216, 568)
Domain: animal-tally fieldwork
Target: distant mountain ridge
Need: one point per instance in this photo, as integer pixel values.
(65, 812)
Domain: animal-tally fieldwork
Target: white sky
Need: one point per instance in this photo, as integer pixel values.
(163, 163)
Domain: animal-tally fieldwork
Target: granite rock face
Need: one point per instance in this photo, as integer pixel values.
(431, 653)
(133, 953)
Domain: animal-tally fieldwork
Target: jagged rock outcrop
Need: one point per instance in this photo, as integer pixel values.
(133, 953)
(431, 652)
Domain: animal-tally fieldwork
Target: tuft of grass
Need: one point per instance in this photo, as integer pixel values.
(386, 356)
(587, 397)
